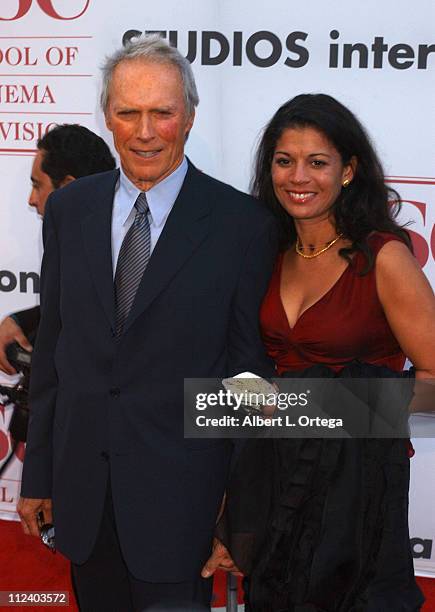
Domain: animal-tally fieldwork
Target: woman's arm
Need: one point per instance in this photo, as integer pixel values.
(409, 305)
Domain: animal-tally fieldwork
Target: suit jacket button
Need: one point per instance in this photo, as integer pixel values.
(114, 392)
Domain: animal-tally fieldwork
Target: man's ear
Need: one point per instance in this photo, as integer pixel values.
(190, 121)
(68, 179)
(189, 124)
(107, 120)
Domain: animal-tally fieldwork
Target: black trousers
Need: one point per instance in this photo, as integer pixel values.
(104, 584)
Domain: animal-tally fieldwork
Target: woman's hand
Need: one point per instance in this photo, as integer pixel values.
(219, 559)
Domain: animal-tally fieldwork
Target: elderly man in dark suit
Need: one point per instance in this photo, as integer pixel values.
(151, 274)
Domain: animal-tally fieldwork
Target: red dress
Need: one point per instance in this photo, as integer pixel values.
(334, 537)
(345, 324)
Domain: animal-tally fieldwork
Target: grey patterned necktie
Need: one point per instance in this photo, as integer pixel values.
(132, 261)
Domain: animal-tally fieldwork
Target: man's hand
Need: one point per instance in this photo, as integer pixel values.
(28, 509)
(10, 332)
(219, 559)
(269, 410)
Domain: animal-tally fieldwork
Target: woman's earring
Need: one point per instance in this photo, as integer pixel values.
(346, 183)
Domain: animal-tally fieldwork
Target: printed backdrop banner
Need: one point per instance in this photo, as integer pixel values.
(248, 57)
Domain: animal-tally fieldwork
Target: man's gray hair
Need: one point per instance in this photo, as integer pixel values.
(154, 49)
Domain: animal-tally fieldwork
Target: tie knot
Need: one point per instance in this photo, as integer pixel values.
(141, 203)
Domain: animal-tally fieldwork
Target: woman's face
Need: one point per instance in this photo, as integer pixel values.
(307, 173)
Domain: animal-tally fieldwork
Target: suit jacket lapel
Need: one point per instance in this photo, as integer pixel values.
(185, 229)
(97, 236)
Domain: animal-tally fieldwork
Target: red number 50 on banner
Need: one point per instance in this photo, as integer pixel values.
(45, 5)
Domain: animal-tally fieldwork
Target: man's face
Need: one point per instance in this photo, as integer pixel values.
(147, 116)
(41, 185)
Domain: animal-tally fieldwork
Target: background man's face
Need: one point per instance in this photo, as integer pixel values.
(147, 115)
(41, 185)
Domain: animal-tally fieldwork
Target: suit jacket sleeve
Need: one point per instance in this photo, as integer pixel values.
(245, 347)
(37, 469)
(28, 319)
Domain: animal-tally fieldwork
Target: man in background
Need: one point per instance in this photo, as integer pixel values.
(65, 153)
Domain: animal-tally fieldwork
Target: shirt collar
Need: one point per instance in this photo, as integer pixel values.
(160, 198)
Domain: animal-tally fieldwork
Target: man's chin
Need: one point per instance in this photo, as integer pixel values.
(144, 181)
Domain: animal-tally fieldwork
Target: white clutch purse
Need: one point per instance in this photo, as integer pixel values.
(252, 391)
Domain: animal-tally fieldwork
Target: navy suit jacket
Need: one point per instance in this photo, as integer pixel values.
(105, 408)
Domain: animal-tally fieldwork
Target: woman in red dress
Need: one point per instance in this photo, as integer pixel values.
(321, 525)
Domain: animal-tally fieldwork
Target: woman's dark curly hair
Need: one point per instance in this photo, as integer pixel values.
(365, 206)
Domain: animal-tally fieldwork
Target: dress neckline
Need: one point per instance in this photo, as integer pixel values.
(321, 298)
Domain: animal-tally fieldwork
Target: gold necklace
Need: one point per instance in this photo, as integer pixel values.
(299, 248)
